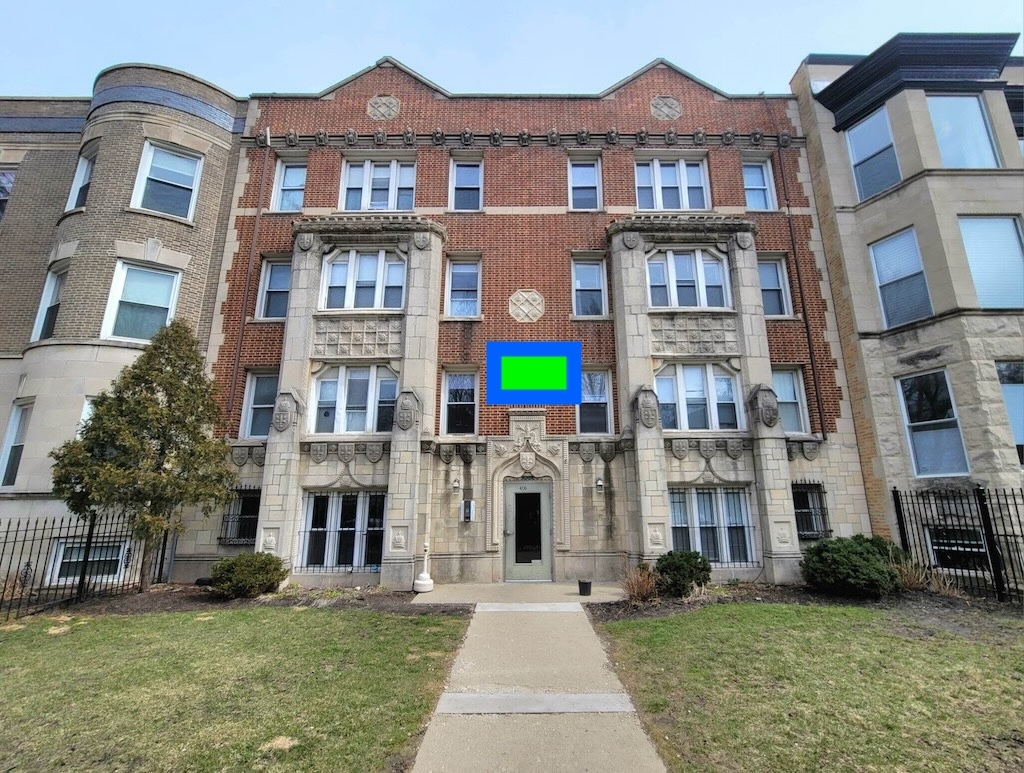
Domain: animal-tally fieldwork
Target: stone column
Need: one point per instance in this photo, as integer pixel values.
(401, 535)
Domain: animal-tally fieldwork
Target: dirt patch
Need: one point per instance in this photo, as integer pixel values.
(280, 744)
(912, 614)
(192, 598)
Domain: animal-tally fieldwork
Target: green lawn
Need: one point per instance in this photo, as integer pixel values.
(776, 687)
(220, 690)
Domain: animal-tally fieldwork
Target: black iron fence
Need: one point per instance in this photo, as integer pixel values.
(341, 550)
(975, 538)
(46, 562)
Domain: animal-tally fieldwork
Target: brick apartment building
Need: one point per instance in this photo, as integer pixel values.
(346, 256)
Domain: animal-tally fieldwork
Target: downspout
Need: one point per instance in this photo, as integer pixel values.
(237, 358)
(799, 278)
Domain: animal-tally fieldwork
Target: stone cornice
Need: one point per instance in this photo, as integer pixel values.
(326, 226)
(705, 226)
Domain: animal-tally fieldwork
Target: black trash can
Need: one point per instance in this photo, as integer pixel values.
(584, 587)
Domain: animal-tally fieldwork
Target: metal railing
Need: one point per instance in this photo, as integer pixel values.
(975, 537)
(341, 550)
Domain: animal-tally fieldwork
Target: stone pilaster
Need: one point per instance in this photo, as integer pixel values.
(400, 522)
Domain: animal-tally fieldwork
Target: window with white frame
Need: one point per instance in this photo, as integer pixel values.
(290, 186)
(463, 285)
(467, 185)
(692, 279)
(460, 393)
(585, 184)
(1011, 381)
(873, 155)
(275, 284)
(238, 526)
(260, 394)
(87, 408)
(168, 180)
(961, 128)
(141, 301)
(932, 425)
(788, 386)
(344, 531)
(757, 185)
(699, 396)
(14, 443)
(107, 561)
(902, 287)
(361, 279)
(595, 408)
(6, 184)
(811, 511)
(676, 184)
(589, 291)
(355, 398)
(46, 318)
(714, 522)
(960, 548)
(379, 185)
(83, 178)
(996, 258)
(774, 295)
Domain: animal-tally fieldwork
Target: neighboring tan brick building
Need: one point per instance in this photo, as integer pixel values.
(915, 154)
(347, 255)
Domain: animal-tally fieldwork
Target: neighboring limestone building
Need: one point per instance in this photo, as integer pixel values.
(916, 161)
(346, 256)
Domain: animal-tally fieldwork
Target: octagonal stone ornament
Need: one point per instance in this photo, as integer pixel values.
(526, 305)
(383, 107)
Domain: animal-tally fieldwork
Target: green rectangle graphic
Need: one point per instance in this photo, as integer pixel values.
(533, 373)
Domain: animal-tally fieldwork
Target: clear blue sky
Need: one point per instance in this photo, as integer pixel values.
(526, 46)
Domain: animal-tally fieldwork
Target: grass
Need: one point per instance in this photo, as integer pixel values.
(245, 689)
(776, 687)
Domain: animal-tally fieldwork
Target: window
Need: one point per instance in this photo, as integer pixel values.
(962, 132)
(957, 547)
(107, 561)
(709, 392)
(585, 184)
(290, 188)
(260, 395)
(275, 282)
(774, 297)
(344, 531)
(87, 408)
(243, 513)
(167, 181)
(50, 305)
(355, 399)
(460, 403)
(932, 425)
(376, 185)
(873, 155)
(688, 279)
(671, 185)
(80, 186)
(354, 279)
(811, 512)
(713, 522)
(14, 445)
(463, 288)
(996, 259)
(1011, 380)
(595, 406)
(901, 284)
(757, 185)
(588, 281)
(6, 183)
(788, 386)
(467, 185)
(141, 302)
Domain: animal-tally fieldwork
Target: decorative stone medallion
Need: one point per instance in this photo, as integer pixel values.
(744, 240)
(631, 239)
(666, 108)
(421, 239)
(447, 453)
(283, 412)
(259, 455)
(680, 448)
(406, 412)
(346, 452)
(383, 107)
(587, 451)
(240, 455)
(374, 452)
(526, 305)
(305, 241)
(648, 409)
(318, 452)
(734, 448)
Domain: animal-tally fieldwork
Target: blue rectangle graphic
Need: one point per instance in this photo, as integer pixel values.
(548, 356)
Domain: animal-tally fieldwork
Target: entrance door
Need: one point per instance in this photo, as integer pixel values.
(527, 531)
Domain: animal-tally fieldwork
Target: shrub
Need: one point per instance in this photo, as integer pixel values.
(640, 585)
(678, 571)
(248, 575)
(852, 567)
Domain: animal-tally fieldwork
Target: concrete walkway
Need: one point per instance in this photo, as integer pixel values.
(532, 689)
